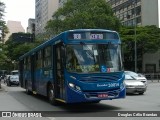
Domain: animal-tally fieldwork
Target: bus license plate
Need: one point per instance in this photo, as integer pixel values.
(103, 95)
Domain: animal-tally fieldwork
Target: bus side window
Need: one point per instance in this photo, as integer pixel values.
(58, 63)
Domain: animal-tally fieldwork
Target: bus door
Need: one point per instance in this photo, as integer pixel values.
(59, 71)
(33, 72)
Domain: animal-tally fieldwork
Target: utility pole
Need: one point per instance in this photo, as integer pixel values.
(135, 38)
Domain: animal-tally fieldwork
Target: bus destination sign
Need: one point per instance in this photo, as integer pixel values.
(96, 36)
(92, 36)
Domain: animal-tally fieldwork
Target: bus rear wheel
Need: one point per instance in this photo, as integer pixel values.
(51, 95)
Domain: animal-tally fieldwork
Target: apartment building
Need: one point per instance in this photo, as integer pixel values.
(139, 12)
(44, 10)
(31, 26)
(13, 27)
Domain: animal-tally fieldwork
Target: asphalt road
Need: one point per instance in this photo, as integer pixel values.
(15, 99)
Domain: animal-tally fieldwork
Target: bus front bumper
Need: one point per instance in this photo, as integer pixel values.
(74, 96)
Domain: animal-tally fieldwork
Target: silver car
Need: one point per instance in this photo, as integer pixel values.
(137, 76)
(133, 85)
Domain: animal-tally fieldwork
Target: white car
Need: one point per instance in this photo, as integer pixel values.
(133, 85)
(137, 76)
(13, 80)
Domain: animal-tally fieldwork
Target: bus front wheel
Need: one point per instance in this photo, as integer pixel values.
(51, 95)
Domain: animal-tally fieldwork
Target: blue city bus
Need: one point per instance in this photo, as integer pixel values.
(82, 65)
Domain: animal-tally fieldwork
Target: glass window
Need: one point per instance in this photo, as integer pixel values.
(93, 58)
(39, 59)
(47, 57)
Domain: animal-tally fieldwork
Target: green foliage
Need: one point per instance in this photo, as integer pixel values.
(77, 14)
(12, 51)
(4, 30)
(147, 41)
(3, 27)
(16, 49)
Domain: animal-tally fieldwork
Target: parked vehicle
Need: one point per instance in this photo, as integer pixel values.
(133, 85)
(6, 78)
(137, 76)
(15, 72)
(13, 80)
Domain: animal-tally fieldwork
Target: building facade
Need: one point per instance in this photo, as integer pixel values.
(151, 62)
(31, 26)
(139, 12)
(44, 10)
(13, 27)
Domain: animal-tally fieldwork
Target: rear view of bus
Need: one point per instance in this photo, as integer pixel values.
(94, 69)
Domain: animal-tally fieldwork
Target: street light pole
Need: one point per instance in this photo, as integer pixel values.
(135, 39)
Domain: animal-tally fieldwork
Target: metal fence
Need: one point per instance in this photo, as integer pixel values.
(153, 76)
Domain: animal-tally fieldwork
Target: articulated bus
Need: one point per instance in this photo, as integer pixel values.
(82, 65)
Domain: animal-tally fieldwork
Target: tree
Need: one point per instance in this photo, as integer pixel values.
(77, 14)
(3, 31)
(15, 48)
(3, 27)
(147, 40)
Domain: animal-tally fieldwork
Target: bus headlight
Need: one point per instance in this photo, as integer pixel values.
(75, 87)
(71, 85)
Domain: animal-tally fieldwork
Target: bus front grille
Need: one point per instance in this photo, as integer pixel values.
(100, 78)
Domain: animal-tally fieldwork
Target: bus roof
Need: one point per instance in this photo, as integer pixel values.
(63, 34)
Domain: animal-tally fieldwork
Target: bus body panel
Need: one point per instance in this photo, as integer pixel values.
(74, 96)
(90, 91)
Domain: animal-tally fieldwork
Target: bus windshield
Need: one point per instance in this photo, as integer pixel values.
(97, 58)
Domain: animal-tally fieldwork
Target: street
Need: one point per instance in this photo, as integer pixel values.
(15, 99)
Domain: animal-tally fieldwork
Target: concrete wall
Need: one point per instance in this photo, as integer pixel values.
(150, 14)
(152, 59)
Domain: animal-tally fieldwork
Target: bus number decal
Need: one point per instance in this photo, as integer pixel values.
(110, 85)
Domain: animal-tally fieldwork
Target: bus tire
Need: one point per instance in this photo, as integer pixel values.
(27, 90)
(51, 95)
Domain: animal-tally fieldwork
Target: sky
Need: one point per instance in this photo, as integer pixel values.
(22, 10)
(19, 10)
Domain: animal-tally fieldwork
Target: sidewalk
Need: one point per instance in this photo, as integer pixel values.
(1, 87)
